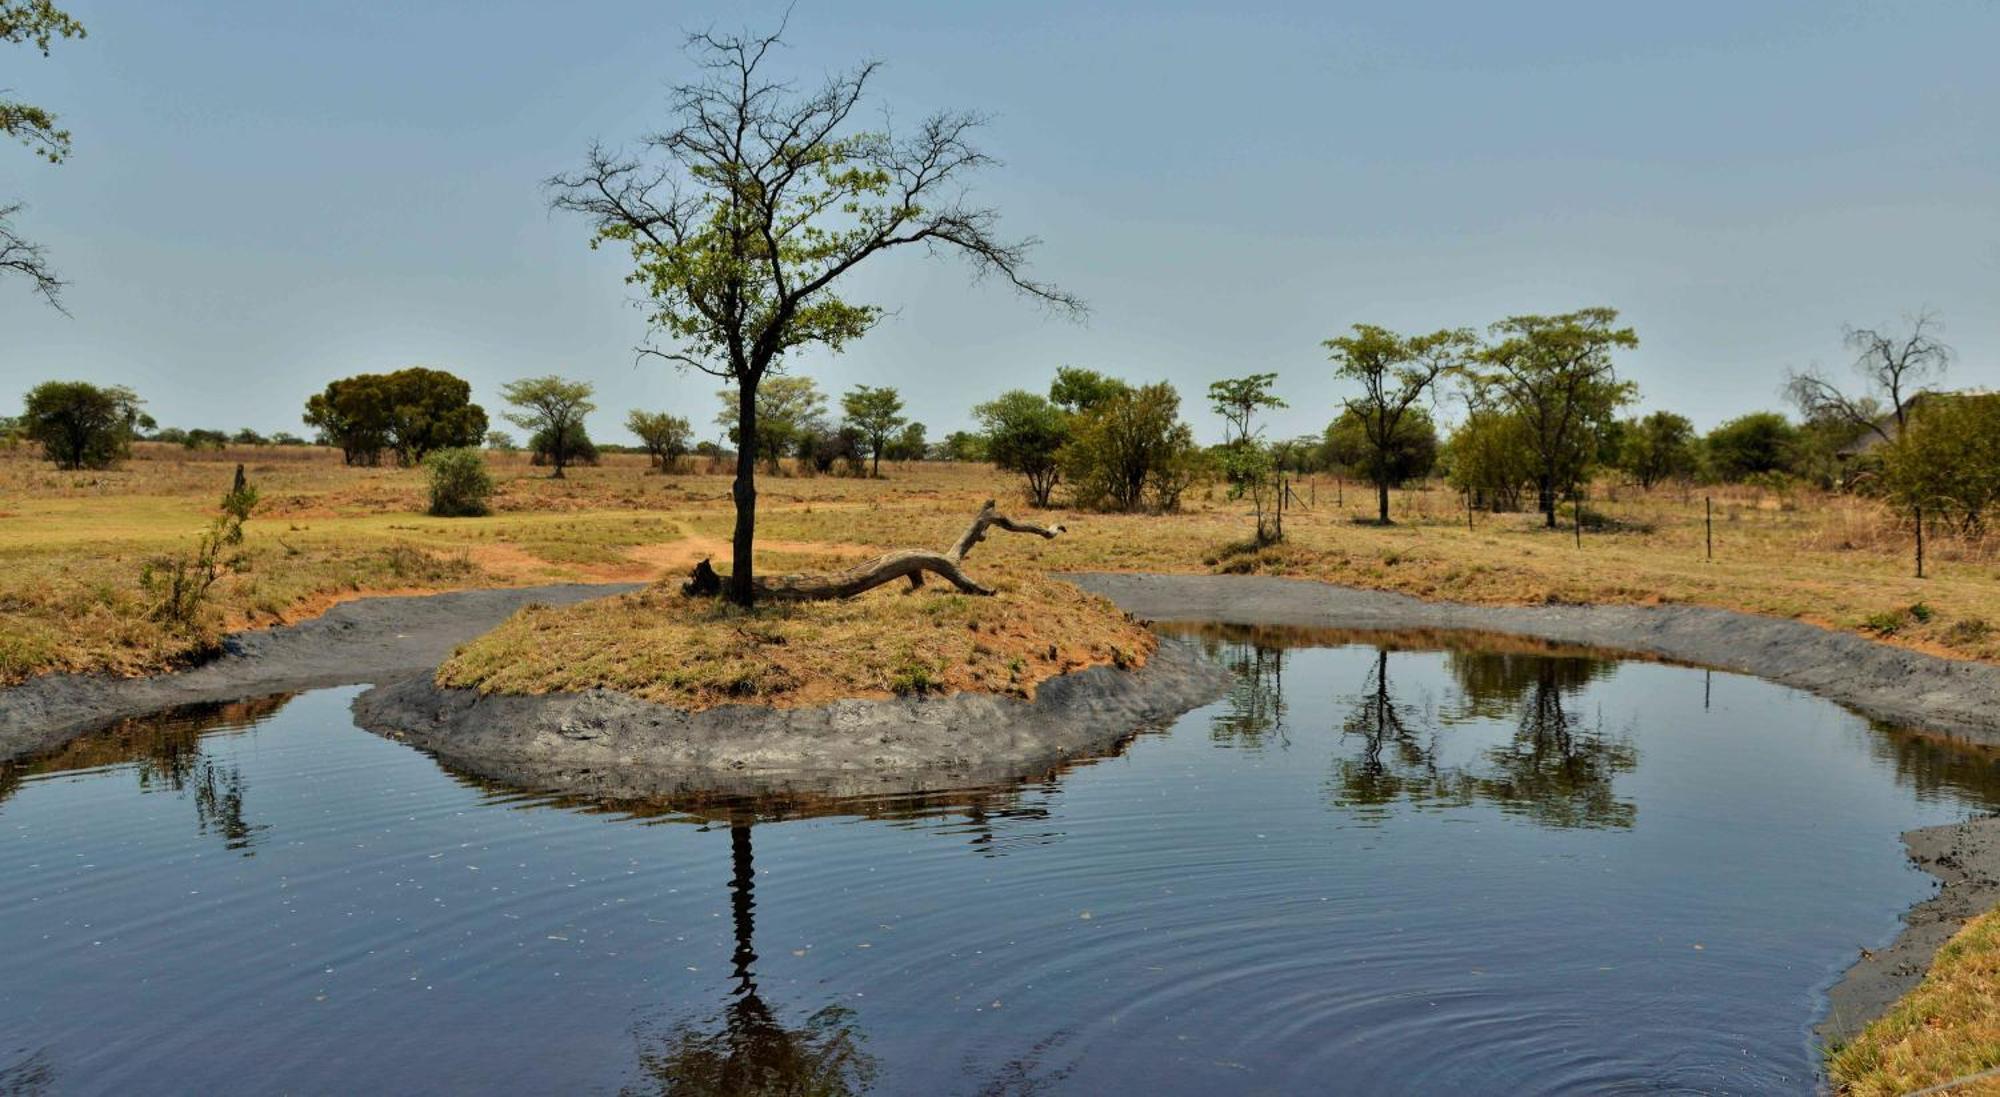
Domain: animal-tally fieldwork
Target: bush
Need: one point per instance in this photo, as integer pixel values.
(581, 450)
(460, 484)
(1948, 461)
(1131, 452)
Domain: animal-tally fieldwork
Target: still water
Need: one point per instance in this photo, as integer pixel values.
(1380, 865)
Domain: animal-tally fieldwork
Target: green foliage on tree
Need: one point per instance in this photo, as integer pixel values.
(1024, 432)
(962, 445)
(786, 410)
(37, 23)
(1558, 375)
(80, 425)
(1491, 458)
(1657, 448)
(665, 437)
(1130, 451)
(744, 212)
(1757, 444)
(878, 414)
(501, 441)
(1083, 390)
(554, 409)
(1395, 372)
(1946, 463)
(1411, 454)
(577, 446)
(909, 444)
(1246, 462)
(461, 487)
(202, 438)
(408, 413)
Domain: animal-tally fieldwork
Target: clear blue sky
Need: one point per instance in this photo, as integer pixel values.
(265, 196)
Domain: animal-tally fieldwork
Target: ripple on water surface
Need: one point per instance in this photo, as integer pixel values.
(1381, 864)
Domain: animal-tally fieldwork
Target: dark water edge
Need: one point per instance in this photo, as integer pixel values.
(1398, 864)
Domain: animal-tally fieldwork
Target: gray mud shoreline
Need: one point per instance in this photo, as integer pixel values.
(609, 745)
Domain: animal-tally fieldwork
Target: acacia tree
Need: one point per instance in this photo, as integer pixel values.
(38, 23)
(1894, 365)
(1556, 373)
(878, 414)
(554, 409)
(788, 410)
(745, 212)
(80, 425)
(1024, 432)
(1247, 462)
(665, 436)
(1395, 371)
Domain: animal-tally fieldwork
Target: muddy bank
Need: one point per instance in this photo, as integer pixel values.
(1910, 689)
(1954, 698)
(612, 745)
(369, 640)
(1965, 857)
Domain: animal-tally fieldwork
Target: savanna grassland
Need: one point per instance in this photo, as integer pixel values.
(73, 545)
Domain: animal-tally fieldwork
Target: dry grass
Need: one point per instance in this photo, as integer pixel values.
(1946, 1029)
(697, 653)
(71, 546)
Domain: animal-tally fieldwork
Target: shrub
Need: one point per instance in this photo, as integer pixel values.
(1130, 451)
(460, 484)
(180, 583)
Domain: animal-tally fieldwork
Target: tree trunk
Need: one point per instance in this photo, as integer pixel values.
(1382, 500)
(910, 564)
(875, 473)
(1546, 487)
(742, 554)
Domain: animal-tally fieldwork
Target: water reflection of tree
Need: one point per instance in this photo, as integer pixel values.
(1399, 746)
(1552, 769)
(166, 752)
(1255, 704)
(1939, 768)
(748, 1050)
(1555, 769)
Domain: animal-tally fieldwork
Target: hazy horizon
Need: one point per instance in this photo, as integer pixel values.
(263, 200)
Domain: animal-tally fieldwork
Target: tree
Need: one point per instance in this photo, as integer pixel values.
(1490, 457)
(410, 412)
(962, 445)
(908, 444)
(577, 446)
(1557, 374)
(1025, 433)
(502, 441)
(744, 214)
(553, 408)
(1240, 398)
(1657, 448)
(80, 425)
(38, 23)
(666, 437)
(1750, 445)
(877, 413)
(1894, 365)
(1412, 453)
(1394, 371)
(248, 437)
(1131, 451)
(786, 410)
(1080, 390)
(1946, 464)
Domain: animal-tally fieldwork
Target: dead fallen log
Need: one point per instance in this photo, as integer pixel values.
(907, 564)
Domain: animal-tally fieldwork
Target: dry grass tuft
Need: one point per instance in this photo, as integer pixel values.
(1946, 1029)
(698, 653)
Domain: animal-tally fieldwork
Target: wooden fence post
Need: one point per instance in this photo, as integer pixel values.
(1710, 501)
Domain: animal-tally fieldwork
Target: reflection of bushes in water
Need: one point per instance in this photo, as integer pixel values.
(1552, 769)
(1494, 684)
(1255, 703)
(165, 751)
(1935, 767)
